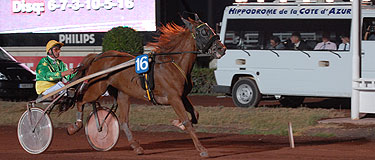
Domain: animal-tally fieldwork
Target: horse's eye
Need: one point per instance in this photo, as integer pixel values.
(204, 33)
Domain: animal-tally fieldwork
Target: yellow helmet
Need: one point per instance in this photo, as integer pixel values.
(52, 43)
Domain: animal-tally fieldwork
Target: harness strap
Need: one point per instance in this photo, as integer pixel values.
(147, 89)
(150, 94)
(180, 69)
(201, 25)
(196, 28)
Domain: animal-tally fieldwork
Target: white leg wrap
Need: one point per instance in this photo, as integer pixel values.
(79, 116)
(127, 131)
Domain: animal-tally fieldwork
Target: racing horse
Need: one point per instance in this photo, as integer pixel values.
(172, 78)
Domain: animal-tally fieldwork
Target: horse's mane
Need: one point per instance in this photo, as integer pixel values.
(170, 35)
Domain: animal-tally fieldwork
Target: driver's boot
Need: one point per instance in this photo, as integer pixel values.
(74, 128)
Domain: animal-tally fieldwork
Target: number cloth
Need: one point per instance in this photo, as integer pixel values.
(141, 64)
(48, 73)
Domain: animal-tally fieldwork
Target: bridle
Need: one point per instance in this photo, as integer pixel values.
(201, 37)
(202, 40)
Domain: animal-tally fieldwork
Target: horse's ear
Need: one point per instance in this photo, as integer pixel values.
(196, 17)
(187, 24)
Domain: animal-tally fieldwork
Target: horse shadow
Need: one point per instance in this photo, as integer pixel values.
(69, 151)
(237, 147)
(222, 145)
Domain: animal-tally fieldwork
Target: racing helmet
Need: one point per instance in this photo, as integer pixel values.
(51, 44)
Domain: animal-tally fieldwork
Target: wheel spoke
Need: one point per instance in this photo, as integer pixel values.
(38, 141)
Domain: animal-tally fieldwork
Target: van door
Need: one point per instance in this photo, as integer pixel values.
(368, 48)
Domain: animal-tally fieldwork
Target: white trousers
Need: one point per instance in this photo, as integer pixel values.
(54, 88)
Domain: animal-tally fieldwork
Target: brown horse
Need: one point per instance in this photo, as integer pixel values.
(172, 76)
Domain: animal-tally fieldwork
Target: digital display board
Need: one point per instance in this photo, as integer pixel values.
(54, 16)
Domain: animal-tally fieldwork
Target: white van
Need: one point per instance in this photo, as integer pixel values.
(251, 69)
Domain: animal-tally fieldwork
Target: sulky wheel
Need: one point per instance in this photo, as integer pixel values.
(107, 138)
(35, 141)
(245, 93)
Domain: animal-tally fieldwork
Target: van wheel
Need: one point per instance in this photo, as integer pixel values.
(291, 101)
(245, 93)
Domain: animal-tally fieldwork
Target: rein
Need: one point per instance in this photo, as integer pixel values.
(172, 53)
(98, 57)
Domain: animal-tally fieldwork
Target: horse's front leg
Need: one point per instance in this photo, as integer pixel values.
(124, 107)
(190, 108)
(179, 108)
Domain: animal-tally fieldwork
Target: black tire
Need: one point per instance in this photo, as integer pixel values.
(291, 101)
(245, 93)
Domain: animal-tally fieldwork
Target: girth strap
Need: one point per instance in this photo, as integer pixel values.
(181, 71)
(150, 94)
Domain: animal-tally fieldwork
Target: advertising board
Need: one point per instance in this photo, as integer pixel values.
(52, 16)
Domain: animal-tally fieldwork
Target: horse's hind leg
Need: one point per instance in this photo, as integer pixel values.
(91, 95)
(178, 107)
(76, 126)
(124, 107)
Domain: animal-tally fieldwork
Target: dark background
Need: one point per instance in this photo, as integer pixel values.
(210, 11)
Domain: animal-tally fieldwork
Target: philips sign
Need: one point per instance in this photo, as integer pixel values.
(77, 38)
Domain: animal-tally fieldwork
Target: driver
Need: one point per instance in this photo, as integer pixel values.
(52, 72)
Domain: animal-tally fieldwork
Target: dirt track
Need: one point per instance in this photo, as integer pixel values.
(179, 146)
(171, 145)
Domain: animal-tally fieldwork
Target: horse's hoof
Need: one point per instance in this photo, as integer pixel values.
(204, 154)
(178, 124)
(139, 151)
(74, 128)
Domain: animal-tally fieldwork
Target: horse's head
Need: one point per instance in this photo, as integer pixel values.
(205, 37)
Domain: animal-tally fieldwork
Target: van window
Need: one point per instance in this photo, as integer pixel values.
(256, 34)
(368, 29)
